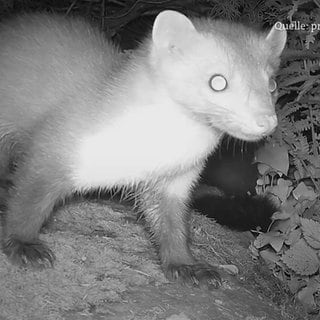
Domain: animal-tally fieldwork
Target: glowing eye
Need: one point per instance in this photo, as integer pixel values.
(272, 85)
(218, 82)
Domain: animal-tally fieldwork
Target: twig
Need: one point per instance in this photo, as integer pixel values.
(299, 54)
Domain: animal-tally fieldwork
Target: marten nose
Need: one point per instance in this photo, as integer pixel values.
(267, 123)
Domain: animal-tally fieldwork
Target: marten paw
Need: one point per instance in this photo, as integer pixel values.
(33, 253)
(198, 274)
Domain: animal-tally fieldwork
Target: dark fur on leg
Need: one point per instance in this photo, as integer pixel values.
(35, 253)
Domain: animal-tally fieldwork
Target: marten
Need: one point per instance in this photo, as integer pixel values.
(77, 115)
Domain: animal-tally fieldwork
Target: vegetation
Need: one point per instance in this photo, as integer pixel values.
(290, 162)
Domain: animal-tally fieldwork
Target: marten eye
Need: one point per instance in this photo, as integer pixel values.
(218, 82)
(272, 85)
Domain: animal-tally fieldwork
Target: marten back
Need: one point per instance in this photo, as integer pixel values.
(44, 61)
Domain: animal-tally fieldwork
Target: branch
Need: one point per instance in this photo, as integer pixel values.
(299, 54)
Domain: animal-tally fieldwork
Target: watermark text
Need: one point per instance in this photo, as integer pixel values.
(297, 25)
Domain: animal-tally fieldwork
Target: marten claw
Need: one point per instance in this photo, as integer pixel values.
(32, 253)
(198, 274)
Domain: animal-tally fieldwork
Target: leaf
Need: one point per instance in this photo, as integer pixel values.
(294, 80)
(288, 206)
(297, 175)
(302, 125)
(282, 189)
(293, 237)
(277, 242)
(265, 180)
(310, 38)
(270, 258)
(314, 170)
(305, 205)
(273, 238)
(294, 106)
(275, 156)
(295, 284)
(302, 192)
(282, 226)
(280, 215)
(263, 168)
(306, 294)
(313, 211)
(301, 170)
(291, 223)
(311, 232)
(262, 240)
(302, 259)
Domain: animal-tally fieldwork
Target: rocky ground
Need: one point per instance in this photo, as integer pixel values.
(106, 268)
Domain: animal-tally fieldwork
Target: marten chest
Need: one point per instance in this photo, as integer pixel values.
(141, 144)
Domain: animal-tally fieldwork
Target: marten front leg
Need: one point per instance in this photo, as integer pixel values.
(164, 206)
(37, 185)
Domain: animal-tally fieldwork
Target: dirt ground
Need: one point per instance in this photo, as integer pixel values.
(106, 268)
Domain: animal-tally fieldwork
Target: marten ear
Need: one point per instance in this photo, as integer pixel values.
(277, 38)
(172, 30)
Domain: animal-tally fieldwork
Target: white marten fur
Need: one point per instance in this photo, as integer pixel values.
(77, 115)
